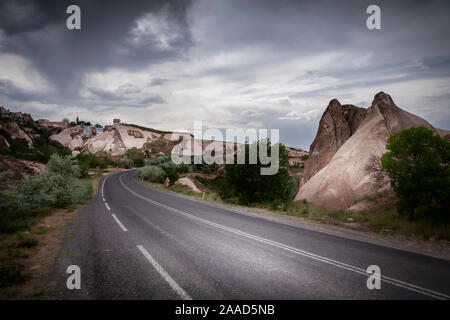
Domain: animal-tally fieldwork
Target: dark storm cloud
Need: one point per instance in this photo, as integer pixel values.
(37, 30)
(8, 88)
(231, 62)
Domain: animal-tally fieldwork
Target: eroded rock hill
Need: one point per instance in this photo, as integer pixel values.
(337, 124)
(346, 140)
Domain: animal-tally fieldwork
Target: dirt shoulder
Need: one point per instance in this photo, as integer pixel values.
(32, 253)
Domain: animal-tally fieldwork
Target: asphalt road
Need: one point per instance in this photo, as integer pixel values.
(136, 242)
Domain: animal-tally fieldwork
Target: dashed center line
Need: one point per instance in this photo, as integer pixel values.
(106, 204)
(172, 283)
(118, 222)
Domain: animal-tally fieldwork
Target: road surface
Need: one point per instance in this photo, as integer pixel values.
(133, 241)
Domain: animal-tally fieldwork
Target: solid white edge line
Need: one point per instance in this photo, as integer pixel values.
(393, 281)
(172, 283)
(103, 186)
(118, 222)
(106, 204)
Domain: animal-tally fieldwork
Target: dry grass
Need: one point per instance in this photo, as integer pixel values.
(27, 257)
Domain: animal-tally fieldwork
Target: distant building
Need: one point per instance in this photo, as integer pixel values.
(116, 121)
(98, 130)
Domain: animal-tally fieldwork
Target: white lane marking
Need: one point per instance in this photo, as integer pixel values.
(106, 204)
(393, 281)
(172, 283)
(118, 222)
(104, 199)
(103, 186)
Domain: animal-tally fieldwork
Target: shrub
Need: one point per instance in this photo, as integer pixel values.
(86, 160)
(151, 173)
(156, 161)
(57, 186)
(172, 174)
(126, 162)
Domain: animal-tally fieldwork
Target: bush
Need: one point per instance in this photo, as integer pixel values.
(126, 162)
(151, 173)
(171, 170)
(57, 186)
(172, 174)
(156, 161)
(89, 161)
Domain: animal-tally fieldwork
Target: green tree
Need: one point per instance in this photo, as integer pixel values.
(246, 183)
(417, 163)
(136, 155)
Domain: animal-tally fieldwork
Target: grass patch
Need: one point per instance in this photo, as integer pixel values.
(39, 292)
(27, 241)
(13, 275)
(42, 230)
(17, 254)
(384, 222)
(15, 221)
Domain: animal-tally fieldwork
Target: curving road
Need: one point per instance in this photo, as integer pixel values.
(136, 242)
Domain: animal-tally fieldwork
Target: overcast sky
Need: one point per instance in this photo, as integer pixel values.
(230, 63)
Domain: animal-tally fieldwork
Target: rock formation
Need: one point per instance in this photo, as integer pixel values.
(337, 124)
(187, 182)
(115, 139)
(344, 144)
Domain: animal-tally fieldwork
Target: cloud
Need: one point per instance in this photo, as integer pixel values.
(230, 63)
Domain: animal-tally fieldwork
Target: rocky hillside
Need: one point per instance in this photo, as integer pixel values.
(24, 142)
(23, 138)
(117, 139)
(347, 138)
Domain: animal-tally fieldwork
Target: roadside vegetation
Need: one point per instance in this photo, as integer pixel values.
(418, 165)
(25, 204)
(87, 162)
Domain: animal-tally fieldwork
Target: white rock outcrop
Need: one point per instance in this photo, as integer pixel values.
(344, 179)
(188, 183)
